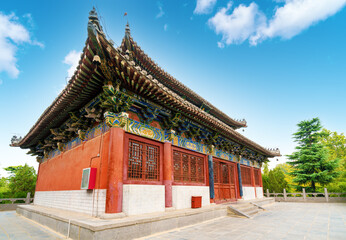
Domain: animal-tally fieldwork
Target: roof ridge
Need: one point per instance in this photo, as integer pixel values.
(231, 121)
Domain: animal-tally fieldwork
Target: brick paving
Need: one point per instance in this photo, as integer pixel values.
(282, 221)
(15, 227)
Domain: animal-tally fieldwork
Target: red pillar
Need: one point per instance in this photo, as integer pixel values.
(260, 177)
(253, 180)
(114, 198)
(168, 172)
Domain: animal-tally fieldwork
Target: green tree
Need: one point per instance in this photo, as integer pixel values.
(274, 180)
(287, 169)
(4, 190)
(311, 162)
(22, 180)
(336, 145)
(265, 180)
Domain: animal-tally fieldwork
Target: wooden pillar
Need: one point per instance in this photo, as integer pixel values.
(168, 172)
(239, 179)
(260, 177)
(211, 177)
(114, 198)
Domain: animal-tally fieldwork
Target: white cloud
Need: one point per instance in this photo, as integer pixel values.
(165, 27)
(239, 25)
(296, 16)
(161, 12)
(72, 59)
(29, 19)
(289, 20)
(12, 34)
(204, 6)
(220, 44)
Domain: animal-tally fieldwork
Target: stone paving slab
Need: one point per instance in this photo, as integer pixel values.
(283, 220)
(15, 227)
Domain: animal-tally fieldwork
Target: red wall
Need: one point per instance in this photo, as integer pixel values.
(64, 172)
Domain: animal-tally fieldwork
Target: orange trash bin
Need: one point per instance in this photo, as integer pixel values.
(196, 201)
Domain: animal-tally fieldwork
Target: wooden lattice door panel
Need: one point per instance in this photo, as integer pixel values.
(216, 174)
(224, 180)
(233, 180)
(225, 173)
(233, 173)
(143, 161)
(188, 167)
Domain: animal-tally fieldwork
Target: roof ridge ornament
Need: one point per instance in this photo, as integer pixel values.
(94, 20)
(242, 121)
(275, 151)
(127, 30)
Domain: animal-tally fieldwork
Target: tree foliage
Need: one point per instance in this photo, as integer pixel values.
(274, 180)
(310, 162)
(336, 145)
(22, 180)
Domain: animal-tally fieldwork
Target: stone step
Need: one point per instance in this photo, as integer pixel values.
(250, 209)
(253, 212)
(246, 209)
(244, 206)
(265, 201)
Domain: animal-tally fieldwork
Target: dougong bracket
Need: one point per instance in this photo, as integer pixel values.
(116, 119)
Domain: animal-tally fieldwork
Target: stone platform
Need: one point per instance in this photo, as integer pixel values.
(118, 226)
(81, 226)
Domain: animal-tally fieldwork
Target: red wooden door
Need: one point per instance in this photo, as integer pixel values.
(224, 180)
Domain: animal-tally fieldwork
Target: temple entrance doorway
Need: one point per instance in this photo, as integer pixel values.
(224, 180)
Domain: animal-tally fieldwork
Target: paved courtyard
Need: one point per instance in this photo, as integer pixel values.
(283, 221)
(15, 227)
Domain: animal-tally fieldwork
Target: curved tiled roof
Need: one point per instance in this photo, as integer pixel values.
(155, 70)
(88, 80)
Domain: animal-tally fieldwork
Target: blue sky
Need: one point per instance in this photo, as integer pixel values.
(272, 62)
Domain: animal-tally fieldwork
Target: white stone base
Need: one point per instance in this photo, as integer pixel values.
(139, 199)
(181, 195)
(259, 192)
(92, 202)
(249, 193)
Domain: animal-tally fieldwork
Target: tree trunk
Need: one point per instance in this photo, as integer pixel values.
(313, 186)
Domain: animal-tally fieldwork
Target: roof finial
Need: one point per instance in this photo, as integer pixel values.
(127, 30)
(93, 18)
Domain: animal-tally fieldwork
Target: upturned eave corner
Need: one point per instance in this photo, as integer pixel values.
(275, 152)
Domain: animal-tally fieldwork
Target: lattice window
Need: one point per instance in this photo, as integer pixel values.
(245, 175)
(232, 173)
(225, 173)
(144, 161)
(216, 171)
(188, 167)
(257, 176)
